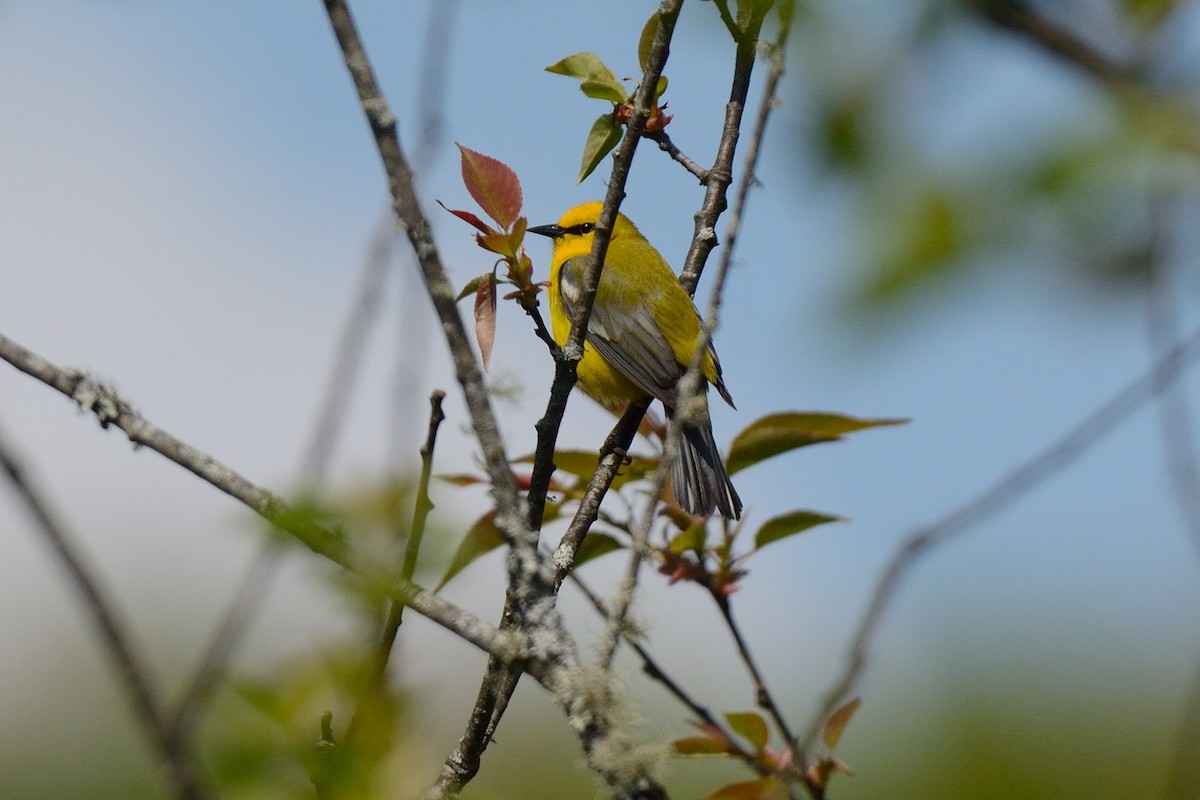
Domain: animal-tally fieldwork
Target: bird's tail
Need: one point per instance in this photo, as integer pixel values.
(698, 475)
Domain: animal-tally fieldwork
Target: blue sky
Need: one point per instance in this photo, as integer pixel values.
(186, 197)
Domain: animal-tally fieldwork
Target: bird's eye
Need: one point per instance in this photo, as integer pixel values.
(586, 227)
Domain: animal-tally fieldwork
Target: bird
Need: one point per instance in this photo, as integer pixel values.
(640, 339)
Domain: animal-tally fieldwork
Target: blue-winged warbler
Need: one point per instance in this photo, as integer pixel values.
(640, 339)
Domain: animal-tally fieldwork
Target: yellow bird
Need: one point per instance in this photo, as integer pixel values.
(640, 339)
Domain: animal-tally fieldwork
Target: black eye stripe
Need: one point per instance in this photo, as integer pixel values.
(581, 228)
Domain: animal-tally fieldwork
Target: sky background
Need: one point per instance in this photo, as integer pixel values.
(187, 196)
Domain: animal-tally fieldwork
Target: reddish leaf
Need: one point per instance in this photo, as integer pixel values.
(485, 318)
(831, 731)
(493, 185)
(469, 218)
(462, 479)
(751, 726)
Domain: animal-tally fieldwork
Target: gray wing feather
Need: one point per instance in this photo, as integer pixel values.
(632, 343)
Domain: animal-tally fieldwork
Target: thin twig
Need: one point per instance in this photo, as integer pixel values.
(118, 643)
(231, 632)
(373, 685)
(612, 456)
(762, 695)
(720, 175)
(1174, 412)
(663, 139)
(1002, 494)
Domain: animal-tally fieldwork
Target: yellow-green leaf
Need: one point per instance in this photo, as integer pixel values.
(750, 726)
(693, 537)
(789, 524)
(597, 79)
(601, 139)
(778, 433)
(700, 746)
(831, 731)
(596, 544)
(646, 40)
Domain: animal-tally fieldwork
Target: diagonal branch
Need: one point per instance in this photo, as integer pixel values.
(509, 503)
(1002, 494)
(134, 673)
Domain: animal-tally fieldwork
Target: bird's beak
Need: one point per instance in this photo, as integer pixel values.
(553, 231)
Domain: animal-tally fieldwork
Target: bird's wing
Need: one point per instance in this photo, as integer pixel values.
(625, 334)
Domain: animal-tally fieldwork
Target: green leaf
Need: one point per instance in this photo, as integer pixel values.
(646, 40)
(831, 731)
(603, 90)
(598, 80)
(493, 185)
(595, 544)
(693, 537)
(790, 524)
(601, 139)
(1148, 13)
(757, 789)
(471, 287)
(920, 246)
(481, 539)
(750, 726)
(778, 433)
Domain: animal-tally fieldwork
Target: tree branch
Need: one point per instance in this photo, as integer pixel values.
(510, 518)
(134, 673)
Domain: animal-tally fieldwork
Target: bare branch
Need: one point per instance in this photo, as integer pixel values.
(510, 518)
(110, 409)
(134, 673)
(667, 146)
(720, 176)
